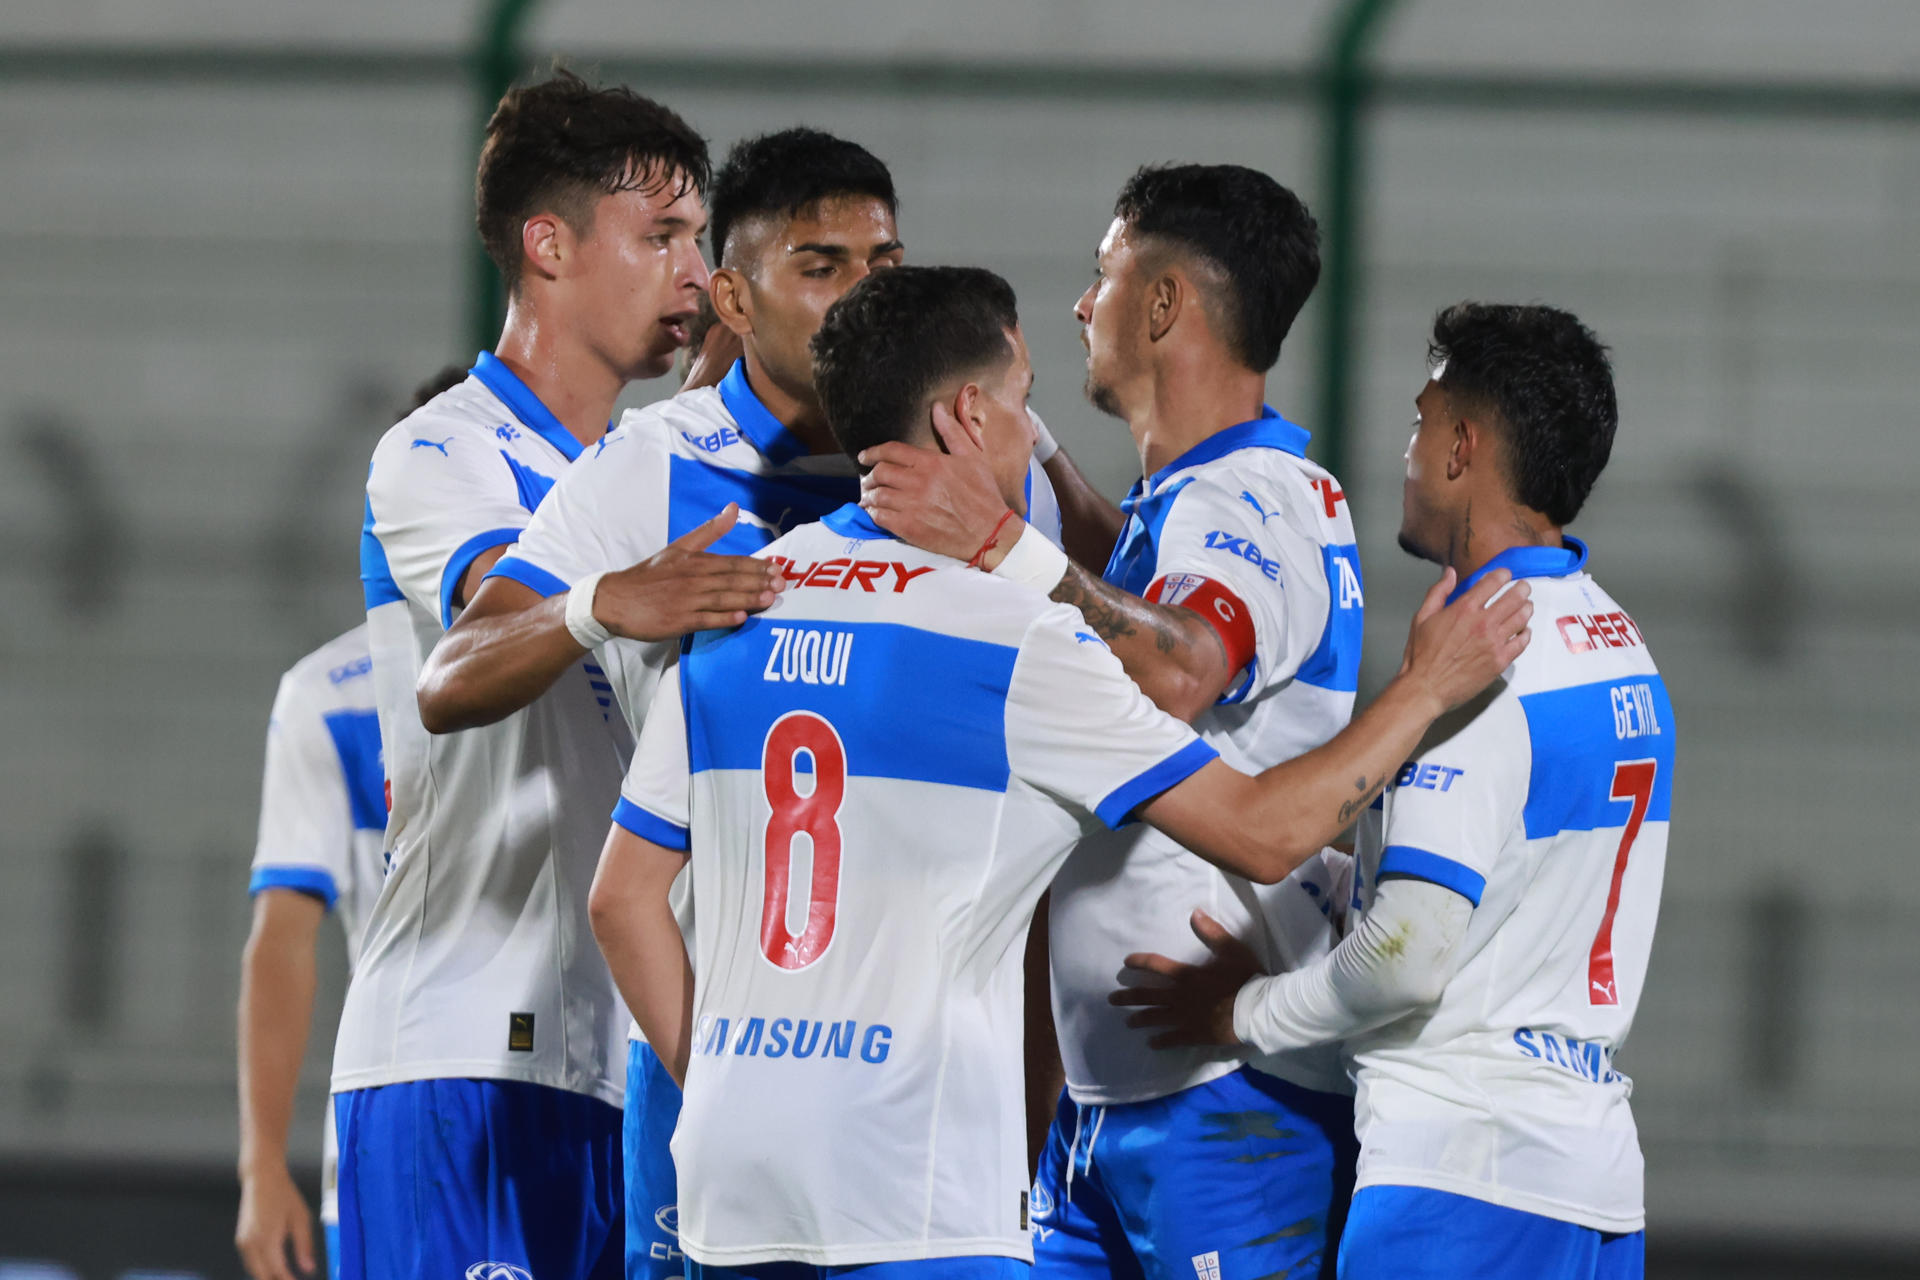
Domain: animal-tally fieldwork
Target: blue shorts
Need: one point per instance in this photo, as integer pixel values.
(1412, 1233)
(332, 1232)
(653, 1222)
(970, 1268)
(1243, 1177)
(439, 1177)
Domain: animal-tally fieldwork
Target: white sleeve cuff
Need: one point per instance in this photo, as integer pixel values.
(1034, 561)
(1044, 445)
(586, 628)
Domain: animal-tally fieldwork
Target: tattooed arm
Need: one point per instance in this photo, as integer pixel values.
(1171, 653)
(1264, 826)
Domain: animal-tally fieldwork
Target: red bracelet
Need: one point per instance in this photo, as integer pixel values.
(987, 546)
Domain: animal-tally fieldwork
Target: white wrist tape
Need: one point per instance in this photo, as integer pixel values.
(1034, 561)
(580, 620)
(1044, 445)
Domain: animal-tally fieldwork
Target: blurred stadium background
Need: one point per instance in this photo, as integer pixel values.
(234, 236)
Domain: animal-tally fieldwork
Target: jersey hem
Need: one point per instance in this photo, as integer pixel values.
(1102, 1097)
(373, 1078)
(856, 1255)
(1505, 1197)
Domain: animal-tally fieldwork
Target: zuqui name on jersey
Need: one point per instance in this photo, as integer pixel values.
(844, 575)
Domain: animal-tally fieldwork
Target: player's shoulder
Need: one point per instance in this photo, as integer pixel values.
(695, 425)
(835, 569)
(1581, 636)
(464, 416)
(338, 672)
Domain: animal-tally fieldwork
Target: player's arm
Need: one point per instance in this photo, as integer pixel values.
(1089, 524)
(1398, 958)
(512, 642)
(949, 503)
(1046, 1074)
(1263, 826)
(632, 916)
(277, 977)
(630, 905)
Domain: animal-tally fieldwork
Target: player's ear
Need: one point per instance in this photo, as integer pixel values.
(731, 303)
(969, 408)
(1166, 298)
(547, 242)
(1466, 439)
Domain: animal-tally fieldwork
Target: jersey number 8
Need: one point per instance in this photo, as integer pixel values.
(798, 736)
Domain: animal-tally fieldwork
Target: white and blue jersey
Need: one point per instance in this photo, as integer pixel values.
(664, 471)
(1546, 804)
(1248, 533)
(478, 961)
(323, 807)
(880, 775)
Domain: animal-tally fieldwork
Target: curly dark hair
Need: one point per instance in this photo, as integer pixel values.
(1254, 231)
(558, 145)
(783, 173)
(1547, 380)
(899, 334)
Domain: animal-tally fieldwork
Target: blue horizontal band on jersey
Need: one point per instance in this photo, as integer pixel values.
(1117, 809)
(1418, 864)
(315, 882)
(528, 575)
(649, 825)
(462, 559)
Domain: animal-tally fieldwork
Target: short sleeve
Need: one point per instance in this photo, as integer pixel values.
(1081, 731)
(437, 499)
(1452, 807)
(306, 820)
(654, 799)
(1219, 556)
(600, 516)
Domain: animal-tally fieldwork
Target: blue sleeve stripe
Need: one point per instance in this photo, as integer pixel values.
(1117, 809)
(462, 559)
(527, 575)
(315, 882)
(649, 826)
(1418, 864)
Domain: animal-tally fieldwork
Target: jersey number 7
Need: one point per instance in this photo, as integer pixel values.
(1633, 781)
(795, 736)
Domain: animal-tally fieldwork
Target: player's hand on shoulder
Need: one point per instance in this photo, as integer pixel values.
(684, 587)
(275, 1222)
(1456, 650)
(1189, 1004)
(948, 503)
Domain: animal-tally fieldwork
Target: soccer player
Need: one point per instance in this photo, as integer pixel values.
(1234, 599)
(478, 1077)
(323, 814)
(880, 776)
(1511, 874)
(798, 217)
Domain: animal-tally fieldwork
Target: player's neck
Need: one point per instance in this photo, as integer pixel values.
(800, 415)
(577, 386)
(1488, 528)
(1186, 405)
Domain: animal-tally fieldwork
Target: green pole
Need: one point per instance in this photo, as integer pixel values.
(498, 59)
(1346, 85)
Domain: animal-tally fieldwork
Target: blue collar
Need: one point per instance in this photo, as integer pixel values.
(768, 434)
(1530, 562)
(1268, 431)
(852, 521)
(525, 405)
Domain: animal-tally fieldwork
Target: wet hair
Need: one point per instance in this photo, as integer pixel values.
(785, 172)
(1547, 381)
(557, 146)
(1253, 231)
(898, 336)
